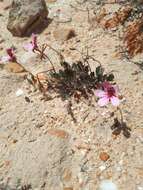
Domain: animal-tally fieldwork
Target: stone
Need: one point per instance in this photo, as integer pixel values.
(67, 175)
(19, 92)
(58, 133)
(104, 156)
(25, 16)
(14, 141)
(61, 12)
(107, 185)
(82, 145)
(102, 168)
(63, 33)
(14, 67)
(140, 188)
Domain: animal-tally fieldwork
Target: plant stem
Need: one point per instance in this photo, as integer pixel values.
(121, 114)
(61, 56)
(45, 56)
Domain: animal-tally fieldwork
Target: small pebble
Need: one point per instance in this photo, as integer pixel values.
(107, 185)
(14, 141)
(27, 99)
(140, 188)
(104, 156)
(121, 162)
(19, 92)
(102, 168)
(118, 169)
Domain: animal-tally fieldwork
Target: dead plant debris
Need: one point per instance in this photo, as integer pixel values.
(117, 18)
(119, 127)
(133, 38)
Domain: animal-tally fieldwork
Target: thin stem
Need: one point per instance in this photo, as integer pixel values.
(61, 56)
(45, 56)
(50, 62)
(121, 114)
(45, 71)
(43, 49)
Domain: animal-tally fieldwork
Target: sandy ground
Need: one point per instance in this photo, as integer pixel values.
(31, 152)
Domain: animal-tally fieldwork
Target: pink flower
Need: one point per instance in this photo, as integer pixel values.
(10, 57)
(108, 94)
(32, 45)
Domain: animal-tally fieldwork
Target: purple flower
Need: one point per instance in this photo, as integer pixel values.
(108, 94)
(10, 56)
(32, 45)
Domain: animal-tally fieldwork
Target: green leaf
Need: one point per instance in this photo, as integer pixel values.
(110, 77)
(99, 71)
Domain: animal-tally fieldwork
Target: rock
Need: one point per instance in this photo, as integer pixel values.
(68, 188)
(14, 141)
(107, 185)
(25, 16)
(63, 34)
(82, 145)
(61, 12)
(58, 133)
(27, 58)
(104, 156)
(14, 67)
(67, 175)
(102, 168)
(140, 188)
(19, 92)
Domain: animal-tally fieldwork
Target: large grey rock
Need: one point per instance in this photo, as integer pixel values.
(26, 15)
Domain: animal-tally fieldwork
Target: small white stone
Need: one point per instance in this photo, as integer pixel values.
(102, 168)
(118, 169)
(83, 152)
(107, 185)
(80, 178)
(140, 188)
(121, 162)
(19, 92)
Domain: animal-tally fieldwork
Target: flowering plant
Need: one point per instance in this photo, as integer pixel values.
(108, 93)
(75, 79)
(32, 46)
(10, 56)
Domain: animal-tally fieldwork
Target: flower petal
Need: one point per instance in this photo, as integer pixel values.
(29, 47)
(115, 101)
(106, 85)
(4, 59)
(116, 88)
(103, 101)
(100, 93)
(34, 40)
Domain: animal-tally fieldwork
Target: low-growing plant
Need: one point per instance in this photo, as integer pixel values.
(76, 80)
